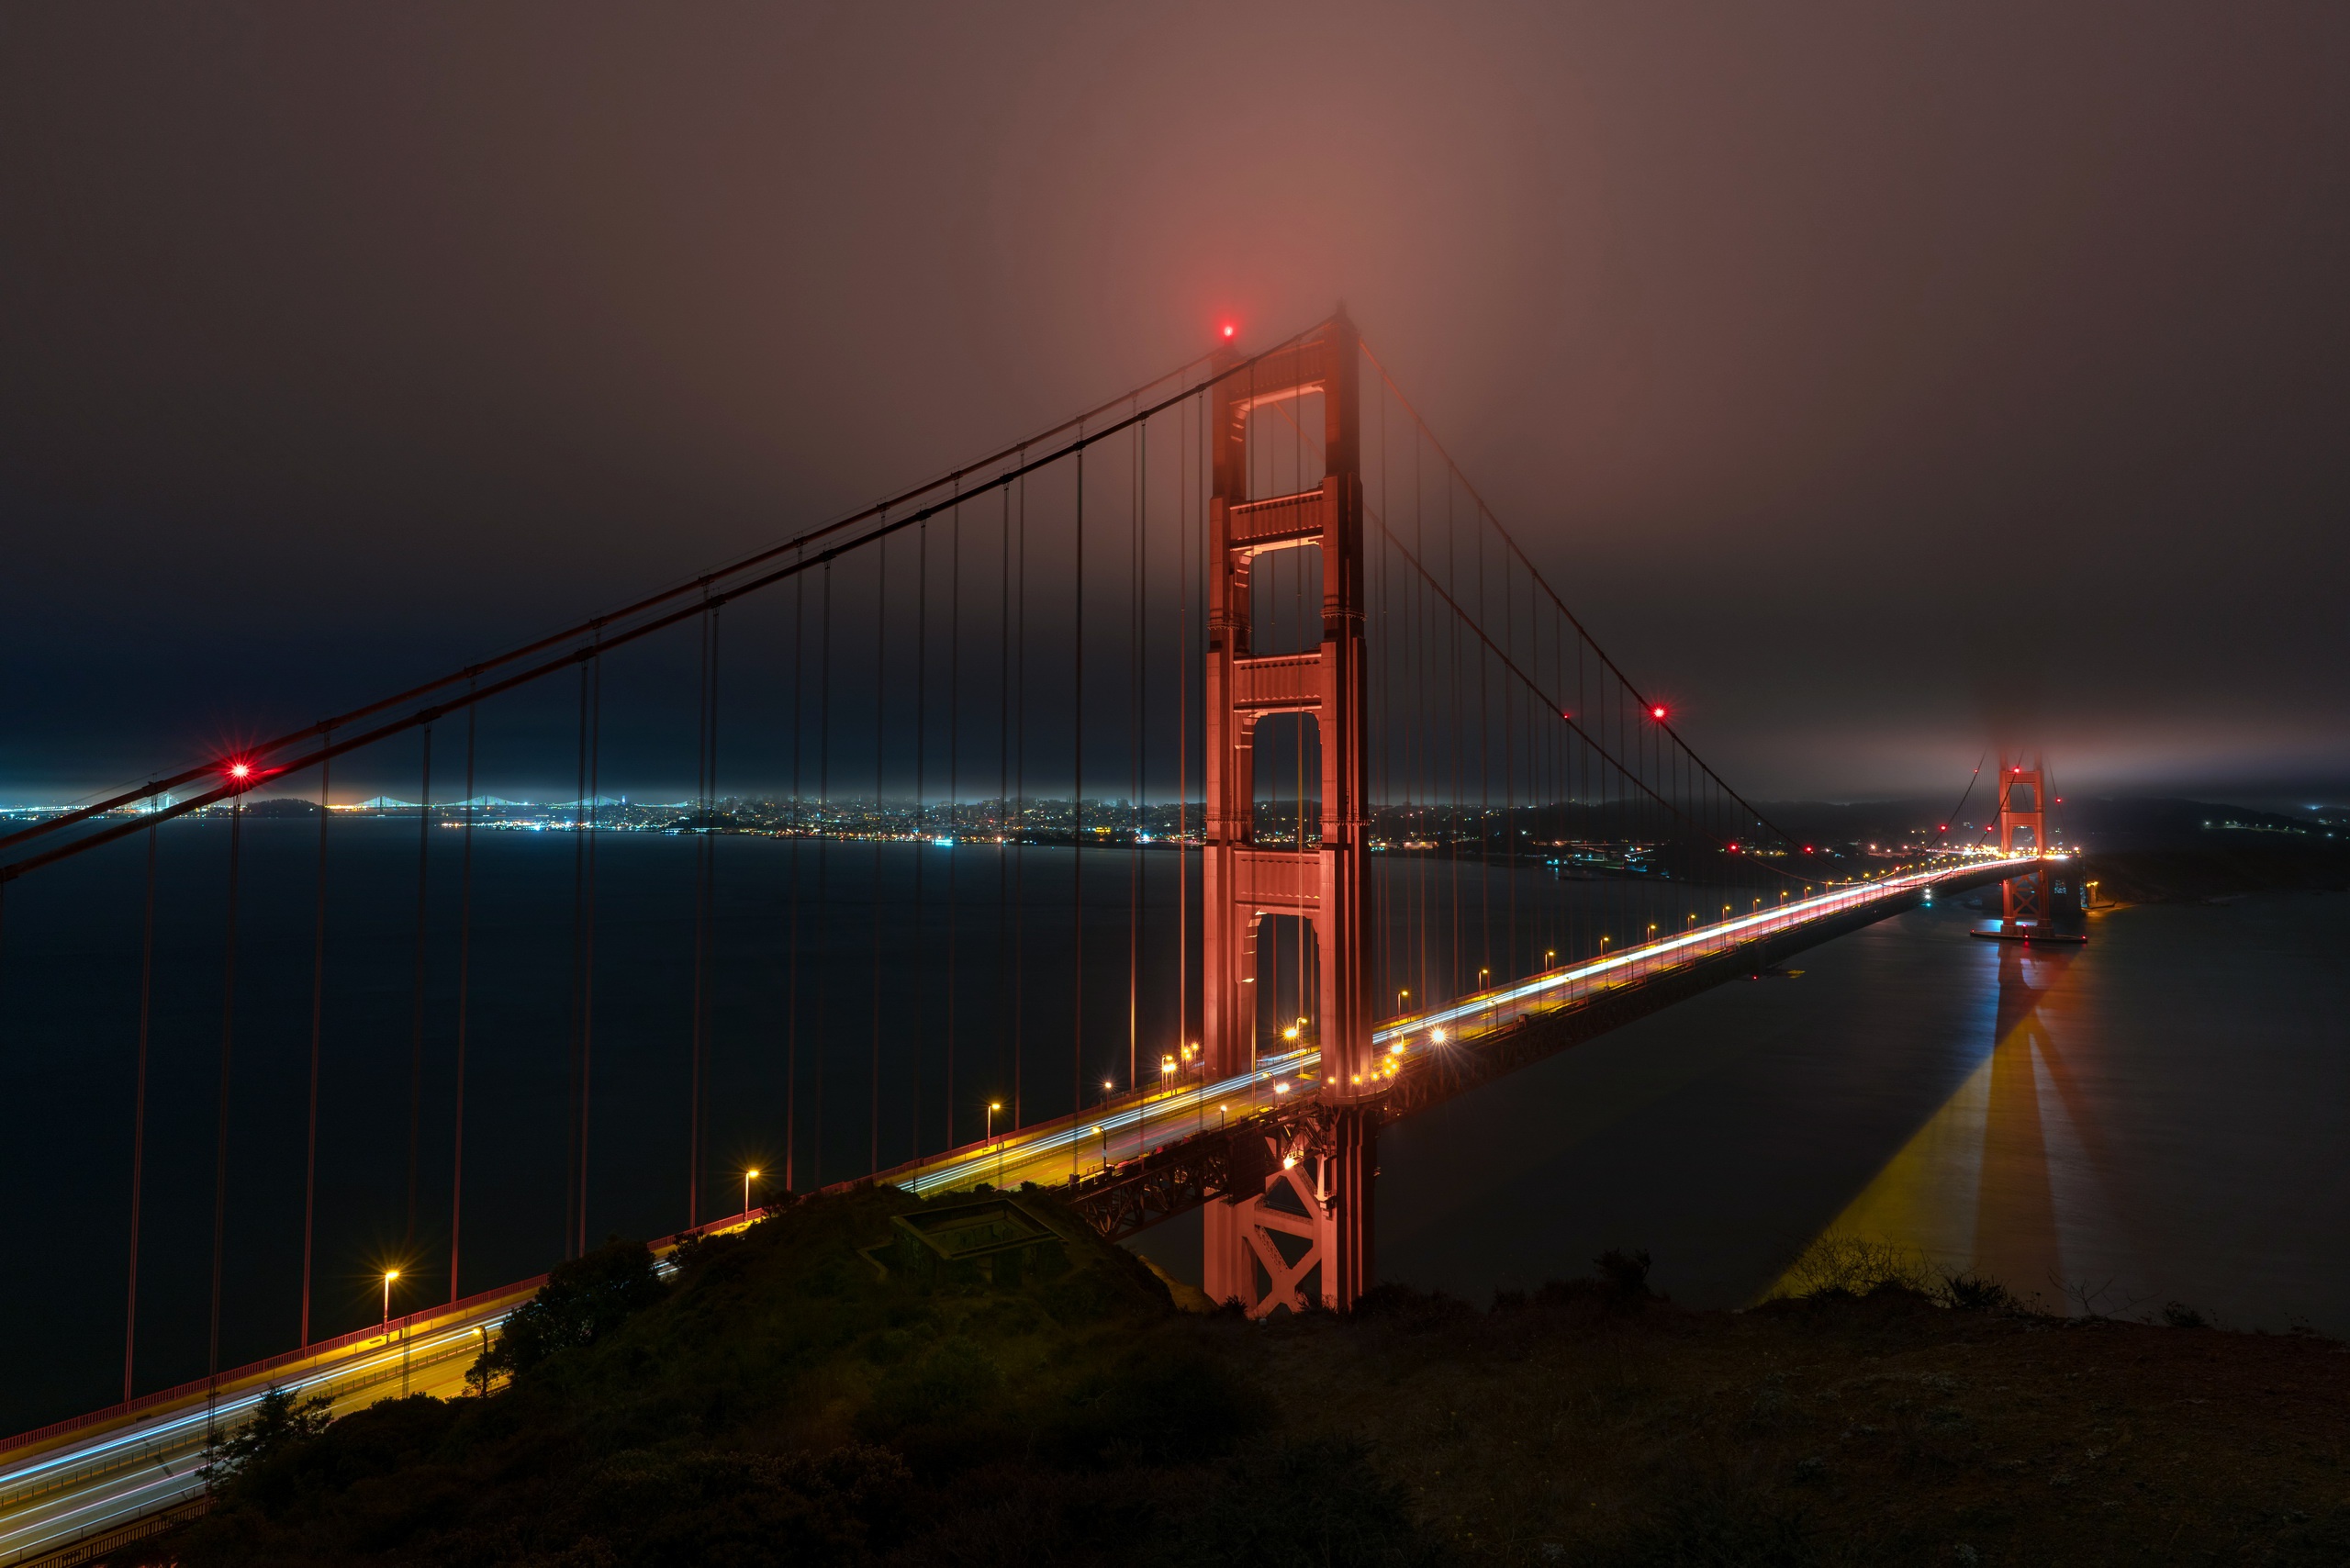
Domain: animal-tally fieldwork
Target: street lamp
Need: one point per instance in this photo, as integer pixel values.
(994, 1106)
(389, 1275)
(748, 1176)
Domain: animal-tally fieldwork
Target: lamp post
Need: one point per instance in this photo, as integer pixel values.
(994, 1106)
(389, 1275)
(1165, 1081)
(748, 1176)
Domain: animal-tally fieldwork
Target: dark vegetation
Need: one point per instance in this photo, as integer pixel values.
(2219, 871)
(781, 1401)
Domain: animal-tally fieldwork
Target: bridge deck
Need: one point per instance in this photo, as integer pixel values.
(1126, 1127)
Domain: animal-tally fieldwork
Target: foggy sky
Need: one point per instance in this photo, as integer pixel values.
(1880, 383)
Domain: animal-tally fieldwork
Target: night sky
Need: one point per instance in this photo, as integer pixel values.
(1880, 382)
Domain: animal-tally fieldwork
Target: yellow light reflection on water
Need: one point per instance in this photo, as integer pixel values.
(2002, 1181)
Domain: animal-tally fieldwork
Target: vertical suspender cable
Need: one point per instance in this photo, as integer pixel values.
(922, 835)
(1381, 915)
(139, 1114)
(824, 862)
(1133, 747)
(1484, 780)
(954, 788)
(1453, 579)
(1003, 987)
(220, 1128)
(572, 1224)
(881, 691)
(1509, 779)
(416, 1002)
(1020, 804)
(464, 989)
(709, 836)
(317, 1032)
(701, 821)
(798, 836)
(1183, 461)
(1076, 831)
(588, 968)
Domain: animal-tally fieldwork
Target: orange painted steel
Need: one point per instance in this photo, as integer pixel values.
(1319, 1207)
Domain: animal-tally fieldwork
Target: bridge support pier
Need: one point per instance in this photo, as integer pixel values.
(1302, 1237)
(1303, 1241)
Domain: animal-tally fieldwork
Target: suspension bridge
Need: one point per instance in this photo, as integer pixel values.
(1149, 811)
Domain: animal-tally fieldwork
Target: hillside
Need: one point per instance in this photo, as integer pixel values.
(784, 1400)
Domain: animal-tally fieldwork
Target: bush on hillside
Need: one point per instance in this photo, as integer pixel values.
(582, 1301)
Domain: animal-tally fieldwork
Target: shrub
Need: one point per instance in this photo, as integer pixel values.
(1972, 1293)
(280, 1421)
(1627, 1273)
(582, 1301)
(1836, 1264)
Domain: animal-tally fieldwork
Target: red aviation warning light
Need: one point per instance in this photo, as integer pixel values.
(241, 771)
(1230, 331)
(1657, 711)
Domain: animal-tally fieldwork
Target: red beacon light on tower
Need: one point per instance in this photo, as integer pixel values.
(1230, 331)
(1657, 711)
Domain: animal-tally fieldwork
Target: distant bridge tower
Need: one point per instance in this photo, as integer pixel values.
(1306, 1239)
(2030, 903)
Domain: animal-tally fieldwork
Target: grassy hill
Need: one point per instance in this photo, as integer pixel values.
(802, 1393)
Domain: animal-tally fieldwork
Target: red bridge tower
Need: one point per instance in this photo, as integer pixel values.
(2023, 830)
(1306, 1239)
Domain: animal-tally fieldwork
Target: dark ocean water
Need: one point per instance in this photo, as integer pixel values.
(914, 985)
(2157, 1116)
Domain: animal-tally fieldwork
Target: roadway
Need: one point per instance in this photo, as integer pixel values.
(85, 1477)
(1125, 1126)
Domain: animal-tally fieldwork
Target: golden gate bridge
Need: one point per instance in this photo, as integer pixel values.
(1274, 793)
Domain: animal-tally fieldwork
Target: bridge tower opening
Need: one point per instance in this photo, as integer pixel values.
(1297, 1231)
(2027, 903)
